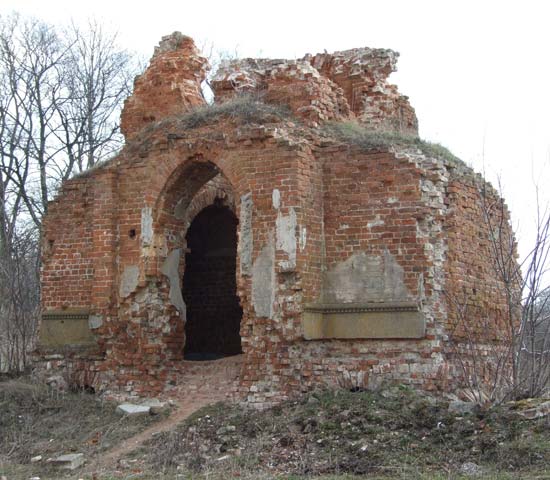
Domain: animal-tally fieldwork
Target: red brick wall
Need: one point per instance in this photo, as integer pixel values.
(476, 294)
(371, 202)
(320, 222)
(345, 202)
(67, 246)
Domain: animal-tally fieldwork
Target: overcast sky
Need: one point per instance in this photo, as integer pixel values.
(477, 72)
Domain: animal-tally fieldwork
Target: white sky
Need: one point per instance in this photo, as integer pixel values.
(477, 72)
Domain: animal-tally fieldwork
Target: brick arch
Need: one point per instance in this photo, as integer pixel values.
(182, 185)
(185, 178)
(211, 192)
(193, 185)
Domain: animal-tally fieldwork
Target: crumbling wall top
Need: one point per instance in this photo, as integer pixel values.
(171, 43)
(294, 83)
(170, 85)
(344, 85)
(378, 63)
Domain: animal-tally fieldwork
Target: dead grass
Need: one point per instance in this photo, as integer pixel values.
(241, 109)
(36, 420)
(354, 133)
(245, 109)
(394, 433)
(329, 435)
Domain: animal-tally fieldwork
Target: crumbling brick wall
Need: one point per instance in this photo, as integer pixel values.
(345, 256)
(171, 85)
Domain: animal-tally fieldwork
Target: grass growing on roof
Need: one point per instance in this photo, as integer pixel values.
(367, 139)
(246, 108)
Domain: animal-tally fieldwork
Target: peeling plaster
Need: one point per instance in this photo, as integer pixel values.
(375, 223)
(303, 239)
(246, 240)
(170, 268)
(286, 238)
(146, 226)
(365, 278)
(129, 280)
(276, 198)
(263, 282)
(95, 321)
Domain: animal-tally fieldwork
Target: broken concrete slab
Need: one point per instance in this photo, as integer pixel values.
(131, 409)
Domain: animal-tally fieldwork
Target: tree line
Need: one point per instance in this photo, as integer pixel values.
(61, 92)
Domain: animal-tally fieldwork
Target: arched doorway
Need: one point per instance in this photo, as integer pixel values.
(209, 286)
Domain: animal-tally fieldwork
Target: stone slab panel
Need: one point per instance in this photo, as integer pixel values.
(65, 328)
(363, 322)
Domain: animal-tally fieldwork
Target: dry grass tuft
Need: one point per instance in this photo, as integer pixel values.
(354, 133)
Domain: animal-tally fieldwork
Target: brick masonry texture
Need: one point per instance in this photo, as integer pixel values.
(320, 222)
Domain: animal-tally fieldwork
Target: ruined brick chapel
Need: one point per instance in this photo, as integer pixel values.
(296, 224)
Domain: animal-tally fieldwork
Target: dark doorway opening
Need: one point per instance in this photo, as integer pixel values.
(209, 286)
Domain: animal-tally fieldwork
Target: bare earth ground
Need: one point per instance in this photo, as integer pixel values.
(205, 383)
(392, 433)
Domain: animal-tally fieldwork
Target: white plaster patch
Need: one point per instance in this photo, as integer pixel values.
(392, 200)
(170, 268)
(246, 239)
(95, 321)
(276, 198)
(263, 282)
(129, 280)
(303, 238)
(376, 222)
(146, 226)
(365, 278)
(286, 237)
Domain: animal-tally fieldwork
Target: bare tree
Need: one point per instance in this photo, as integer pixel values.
(19, 291)
(61, 92)
(506, 353)
(64, 98)
(97, 77)
(533, 352)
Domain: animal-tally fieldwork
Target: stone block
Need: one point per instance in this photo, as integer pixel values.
(133, 410)
(70, 461)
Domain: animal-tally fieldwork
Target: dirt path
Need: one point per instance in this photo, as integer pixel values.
(204, 383)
